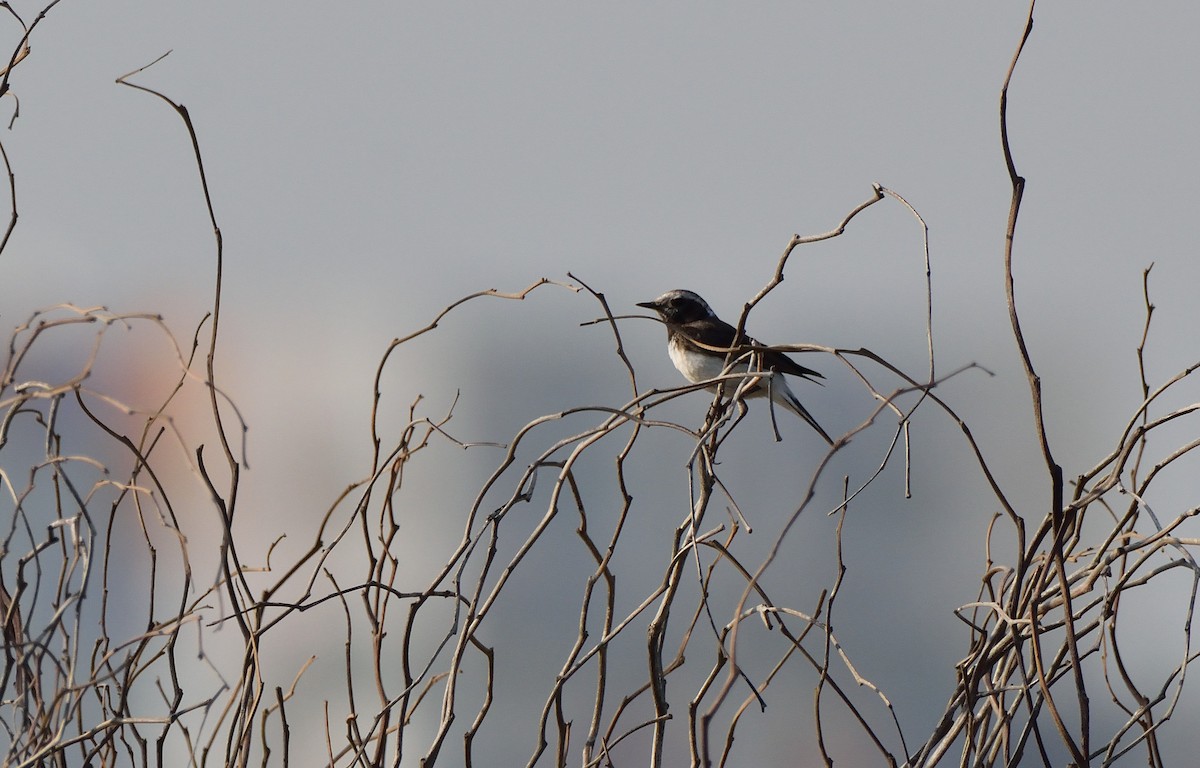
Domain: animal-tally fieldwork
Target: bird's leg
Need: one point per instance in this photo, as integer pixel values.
(716, 415)
(743, 409)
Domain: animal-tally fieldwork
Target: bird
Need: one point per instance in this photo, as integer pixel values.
(698, 342)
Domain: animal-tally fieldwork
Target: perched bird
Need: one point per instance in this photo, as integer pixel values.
(698, 342)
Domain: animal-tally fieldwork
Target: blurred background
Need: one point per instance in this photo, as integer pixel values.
(371, 163)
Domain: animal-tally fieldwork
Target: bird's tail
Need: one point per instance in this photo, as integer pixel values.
(789, 401)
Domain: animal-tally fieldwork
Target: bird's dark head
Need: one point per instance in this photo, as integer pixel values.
(679, 307)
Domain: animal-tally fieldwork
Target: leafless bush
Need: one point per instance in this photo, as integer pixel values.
(91, 679)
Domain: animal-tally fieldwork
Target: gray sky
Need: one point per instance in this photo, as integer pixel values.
(372, 162)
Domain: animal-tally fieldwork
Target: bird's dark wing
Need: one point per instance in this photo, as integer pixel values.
(709, 332)
(777, 361)
(714, 332)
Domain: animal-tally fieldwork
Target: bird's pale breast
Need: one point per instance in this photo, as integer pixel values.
(694, 364)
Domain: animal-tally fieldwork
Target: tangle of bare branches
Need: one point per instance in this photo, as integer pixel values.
(131, 637)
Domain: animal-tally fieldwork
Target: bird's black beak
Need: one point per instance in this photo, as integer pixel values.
(648, 305)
